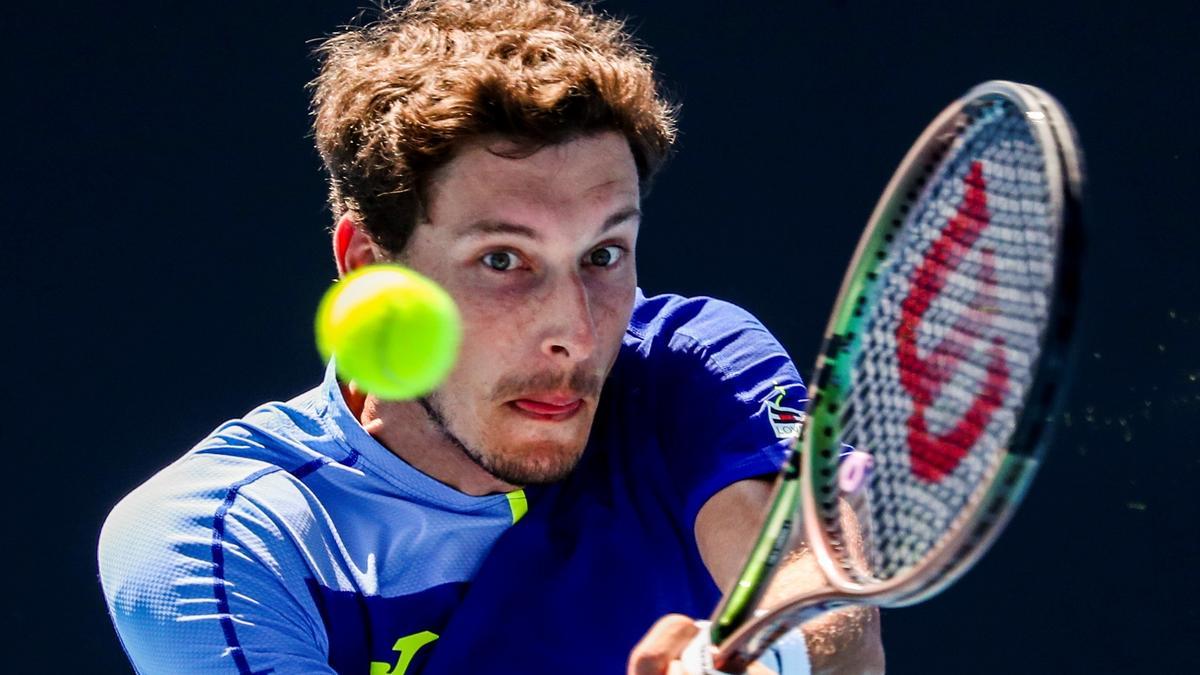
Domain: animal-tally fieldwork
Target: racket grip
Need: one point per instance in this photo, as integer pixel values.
(788, 657)
(697, 657)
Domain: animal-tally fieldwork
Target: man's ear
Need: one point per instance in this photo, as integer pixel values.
(352, 246)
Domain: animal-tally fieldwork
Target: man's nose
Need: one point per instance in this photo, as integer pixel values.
(570, 329)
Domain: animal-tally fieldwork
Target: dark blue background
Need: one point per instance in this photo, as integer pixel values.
(165, 246)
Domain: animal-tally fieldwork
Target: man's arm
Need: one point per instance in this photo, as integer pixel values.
(843, 641)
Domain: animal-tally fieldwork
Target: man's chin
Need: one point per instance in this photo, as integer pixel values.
(535, 464)
(520, 452)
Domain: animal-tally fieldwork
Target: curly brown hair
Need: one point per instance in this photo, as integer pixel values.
(396, 97)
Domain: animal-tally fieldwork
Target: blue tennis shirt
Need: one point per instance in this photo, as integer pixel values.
(291, 541)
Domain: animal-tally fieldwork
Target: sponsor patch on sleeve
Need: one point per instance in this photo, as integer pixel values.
(784, 412)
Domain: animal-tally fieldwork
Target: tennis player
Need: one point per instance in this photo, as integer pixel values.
(597, 460)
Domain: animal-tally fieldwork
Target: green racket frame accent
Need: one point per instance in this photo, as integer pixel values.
(772, 539)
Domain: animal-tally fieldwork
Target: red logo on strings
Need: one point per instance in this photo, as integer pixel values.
(934, 456)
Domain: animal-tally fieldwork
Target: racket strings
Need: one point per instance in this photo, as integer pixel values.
(948, 342)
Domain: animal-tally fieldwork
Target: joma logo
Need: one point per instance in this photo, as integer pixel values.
(407, 647)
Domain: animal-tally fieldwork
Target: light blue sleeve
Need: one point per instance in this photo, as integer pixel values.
(194, 580)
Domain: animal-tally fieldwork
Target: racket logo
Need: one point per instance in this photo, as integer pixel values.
(934, 456)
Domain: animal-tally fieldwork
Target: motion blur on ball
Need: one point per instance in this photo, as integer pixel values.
(390, 330)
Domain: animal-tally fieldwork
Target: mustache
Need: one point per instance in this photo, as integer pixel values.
(580, 381)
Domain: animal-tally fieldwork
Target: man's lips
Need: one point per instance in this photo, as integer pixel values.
(549, 408)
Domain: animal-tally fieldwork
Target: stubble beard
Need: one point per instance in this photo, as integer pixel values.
(511, 470)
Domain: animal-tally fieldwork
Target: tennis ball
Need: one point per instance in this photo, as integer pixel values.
(392, 331)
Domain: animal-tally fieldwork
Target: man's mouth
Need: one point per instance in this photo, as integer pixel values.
(550, 408)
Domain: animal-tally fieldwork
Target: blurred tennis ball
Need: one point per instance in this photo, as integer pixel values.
(394, 332)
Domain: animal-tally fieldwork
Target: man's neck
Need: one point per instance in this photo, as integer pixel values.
(405, 429)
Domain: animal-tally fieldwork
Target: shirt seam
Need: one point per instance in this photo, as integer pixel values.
(228, 629)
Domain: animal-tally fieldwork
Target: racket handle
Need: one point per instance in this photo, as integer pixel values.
(789, 656)
(697, 657)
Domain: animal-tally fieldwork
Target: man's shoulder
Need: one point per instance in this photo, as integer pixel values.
(233, 460)
(676, 320)
(191, 495)
(233, 512)
(704, 350)
(257, 461)
(291, 437)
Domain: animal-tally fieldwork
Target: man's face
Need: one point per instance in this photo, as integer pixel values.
(538, 251)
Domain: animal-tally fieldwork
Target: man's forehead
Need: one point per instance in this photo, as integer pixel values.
(488, 177)
(590, 162)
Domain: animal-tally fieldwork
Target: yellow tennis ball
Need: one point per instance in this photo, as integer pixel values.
(392, 331)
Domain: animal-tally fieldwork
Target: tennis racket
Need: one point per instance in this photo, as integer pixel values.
(932, 395)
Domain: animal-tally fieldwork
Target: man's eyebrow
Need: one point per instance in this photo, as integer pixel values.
(621, 216)
(485, 227)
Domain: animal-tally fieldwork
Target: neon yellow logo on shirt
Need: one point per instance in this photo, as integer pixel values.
(407, 646)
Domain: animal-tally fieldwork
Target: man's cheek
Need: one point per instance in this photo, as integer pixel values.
(614, 323)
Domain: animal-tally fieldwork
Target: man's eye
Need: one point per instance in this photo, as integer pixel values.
(605, 256)
(501, 261)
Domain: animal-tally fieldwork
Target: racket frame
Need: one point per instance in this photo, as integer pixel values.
(742, 638)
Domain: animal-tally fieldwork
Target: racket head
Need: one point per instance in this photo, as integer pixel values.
(929, 406)
(943, 358)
